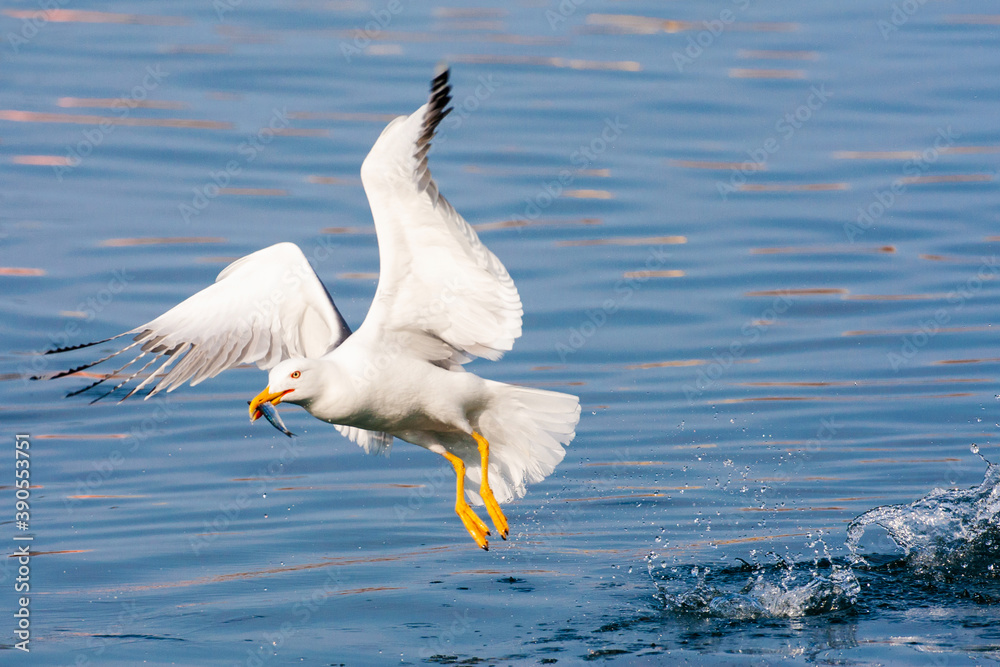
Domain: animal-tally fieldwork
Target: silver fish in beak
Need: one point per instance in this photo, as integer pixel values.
(271, 414)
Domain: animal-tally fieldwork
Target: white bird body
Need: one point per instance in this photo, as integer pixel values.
(442, 299)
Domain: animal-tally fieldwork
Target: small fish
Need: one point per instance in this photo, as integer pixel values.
(271, 414)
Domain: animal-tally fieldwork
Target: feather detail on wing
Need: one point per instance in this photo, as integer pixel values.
(373, 442)
(262, 309)
(438, 282)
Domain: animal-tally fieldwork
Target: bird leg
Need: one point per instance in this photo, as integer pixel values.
(473, 523)
(492, 506)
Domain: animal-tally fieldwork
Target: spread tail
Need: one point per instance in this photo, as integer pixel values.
(527, 429)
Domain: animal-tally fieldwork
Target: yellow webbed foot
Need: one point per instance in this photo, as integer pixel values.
(492, 506)
(474, 525)
(472, 522)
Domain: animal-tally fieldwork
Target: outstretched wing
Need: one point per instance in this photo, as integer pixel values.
(439, 286)
(262, 309)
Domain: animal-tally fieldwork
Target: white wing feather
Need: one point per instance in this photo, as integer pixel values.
(373, 442)
(262, 309)
(439, 286)
(440, 289)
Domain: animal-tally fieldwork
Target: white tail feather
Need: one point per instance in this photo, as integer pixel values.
(527, 429)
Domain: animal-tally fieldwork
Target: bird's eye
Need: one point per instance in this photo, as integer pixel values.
(296, 375)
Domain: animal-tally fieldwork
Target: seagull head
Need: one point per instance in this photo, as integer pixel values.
(292, 381)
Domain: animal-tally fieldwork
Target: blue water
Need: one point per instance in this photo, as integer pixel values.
(759, 242)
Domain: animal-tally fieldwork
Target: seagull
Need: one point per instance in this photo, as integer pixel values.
(443, 299)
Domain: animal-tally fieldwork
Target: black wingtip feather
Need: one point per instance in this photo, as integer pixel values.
(70, 348)
(437, 105)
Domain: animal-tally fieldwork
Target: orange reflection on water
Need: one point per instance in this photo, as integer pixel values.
(646, 25)
(342, 117)
(793, 187)
(793, 509)
(912, 154)
(947, 178)
(78, 16)
(114, 103)
(588, 194)
(774, 399)
(805, 291)
(253, 574)
(508, 224)
(756, 538)
(347, 230)
(39, 117)
(628, 463)
(639, 25)
(862, 383)
(967, 361)
(777, 55)
(626, 241)
(82, 436)
(20, 271)
(568, 63)
(664, 273)
(329, 180)
(629, 496)
(822, 250)
(682, 363)
(42, 160)
(160, 240)
(746, 73)
(709, 164)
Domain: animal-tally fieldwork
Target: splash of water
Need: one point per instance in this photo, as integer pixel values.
(751, 592)
(948, 536)
(946, 533)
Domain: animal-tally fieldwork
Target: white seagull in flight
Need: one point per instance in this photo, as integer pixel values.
(442, 299)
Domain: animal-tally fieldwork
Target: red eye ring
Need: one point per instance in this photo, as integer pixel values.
(296, 375)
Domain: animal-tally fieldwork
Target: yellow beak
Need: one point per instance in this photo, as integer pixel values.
(266, 396)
